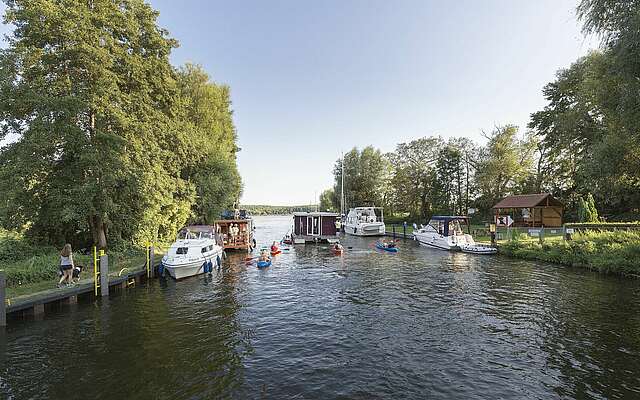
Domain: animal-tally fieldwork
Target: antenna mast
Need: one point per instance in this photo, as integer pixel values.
(342, 188)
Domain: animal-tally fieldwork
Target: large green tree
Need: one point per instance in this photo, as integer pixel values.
(504, 165)
(366, 175)
(105, 134)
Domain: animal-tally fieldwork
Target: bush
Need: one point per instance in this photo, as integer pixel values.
(608, 252)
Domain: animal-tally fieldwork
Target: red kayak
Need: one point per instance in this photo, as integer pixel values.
(276, 252)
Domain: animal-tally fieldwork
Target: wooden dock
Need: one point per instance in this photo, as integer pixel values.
(36, 301)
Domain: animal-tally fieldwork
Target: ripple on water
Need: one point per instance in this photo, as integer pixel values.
(418, 324)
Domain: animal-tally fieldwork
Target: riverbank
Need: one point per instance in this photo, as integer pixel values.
(31, 269)
(616, 252)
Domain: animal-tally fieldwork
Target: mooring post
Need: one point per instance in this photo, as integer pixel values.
(3, 300)
(151, 262)
(104, 274)
(404, 229)
(393, 228)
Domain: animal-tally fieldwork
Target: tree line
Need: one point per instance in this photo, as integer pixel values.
(582, 147)
(107, 141)
(277, 210)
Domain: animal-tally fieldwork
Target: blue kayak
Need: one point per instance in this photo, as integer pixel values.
(264, 264)
(380, 246)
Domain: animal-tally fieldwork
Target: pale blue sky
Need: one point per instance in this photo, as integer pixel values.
(310, 79)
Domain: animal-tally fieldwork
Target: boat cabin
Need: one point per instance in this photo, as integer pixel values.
(315, 227)
(236, 234)
(447, 225)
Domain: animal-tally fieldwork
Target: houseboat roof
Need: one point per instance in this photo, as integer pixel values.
(315, 214)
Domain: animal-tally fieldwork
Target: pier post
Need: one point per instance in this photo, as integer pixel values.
(3, 300)
(104, 275)
(404, 229)
(152, 269)
(393, 228)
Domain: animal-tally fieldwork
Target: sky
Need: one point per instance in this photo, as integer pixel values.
(310, 79)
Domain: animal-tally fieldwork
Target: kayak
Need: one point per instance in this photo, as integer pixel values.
(275, 253)
(478, 249)
(338, 252)
(380, 246)
(264, 264)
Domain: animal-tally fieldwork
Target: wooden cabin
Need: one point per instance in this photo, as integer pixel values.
(531, 210)
(315, 227)
(236, 234)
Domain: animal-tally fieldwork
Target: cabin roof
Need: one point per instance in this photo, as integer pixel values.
(529, 200)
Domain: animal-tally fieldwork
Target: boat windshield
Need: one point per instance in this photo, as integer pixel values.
(454, 228)
(186, 234)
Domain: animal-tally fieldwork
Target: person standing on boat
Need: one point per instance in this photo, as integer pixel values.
(66, 264)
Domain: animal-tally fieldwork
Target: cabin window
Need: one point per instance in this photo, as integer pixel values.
(182, 250)
(438, 225)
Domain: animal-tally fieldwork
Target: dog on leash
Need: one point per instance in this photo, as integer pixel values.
(75, 276)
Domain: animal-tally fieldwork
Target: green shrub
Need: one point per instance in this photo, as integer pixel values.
(608, 252)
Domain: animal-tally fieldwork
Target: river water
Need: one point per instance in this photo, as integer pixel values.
(418, 324)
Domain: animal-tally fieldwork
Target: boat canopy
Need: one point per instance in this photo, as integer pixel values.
(441, 223)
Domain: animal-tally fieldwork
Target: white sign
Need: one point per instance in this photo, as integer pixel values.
(534, 232)
(569, 230)
(471, 211)
(504, 220)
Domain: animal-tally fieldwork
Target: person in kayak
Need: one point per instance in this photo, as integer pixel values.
(274, 247)
(264, 255)
(337, 247)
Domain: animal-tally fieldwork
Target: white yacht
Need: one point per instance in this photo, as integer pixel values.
(365, 221)
(444, 232)
(194, 252)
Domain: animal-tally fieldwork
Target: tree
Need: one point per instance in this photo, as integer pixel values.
(504, 165)
(366, 176)
(327, 200)
(107, 137)
(414, 175)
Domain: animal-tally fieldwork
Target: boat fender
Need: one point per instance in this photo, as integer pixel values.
(254, 242)
(218, 262)
(161, 269)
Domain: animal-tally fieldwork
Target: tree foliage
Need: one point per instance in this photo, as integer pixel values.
(107, 137)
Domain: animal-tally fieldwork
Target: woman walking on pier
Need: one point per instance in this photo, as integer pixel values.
(66, 264)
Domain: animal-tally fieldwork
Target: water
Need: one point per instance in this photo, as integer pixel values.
(418, 324)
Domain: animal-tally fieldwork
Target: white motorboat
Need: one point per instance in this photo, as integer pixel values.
(365, 221)
(444, 232)
(194, 252)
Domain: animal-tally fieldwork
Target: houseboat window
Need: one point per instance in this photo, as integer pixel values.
(182, 250)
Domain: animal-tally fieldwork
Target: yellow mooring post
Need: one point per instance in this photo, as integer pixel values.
(96, 271)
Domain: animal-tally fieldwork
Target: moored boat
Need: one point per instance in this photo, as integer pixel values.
(444, 232)
(478, 249)
(194, 252)
(365, 221)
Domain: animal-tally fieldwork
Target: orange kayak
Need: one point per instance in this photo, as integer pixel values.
(275, 253)
(338, 252)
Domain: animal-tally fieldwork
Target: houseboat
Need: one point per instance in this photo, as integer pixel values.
(194, 252)
(315, 227)
(365, 221)
(236, 231)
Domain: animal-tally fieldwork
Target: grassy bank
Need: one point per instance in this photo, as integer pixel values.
(30, 268)
(608, 252)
